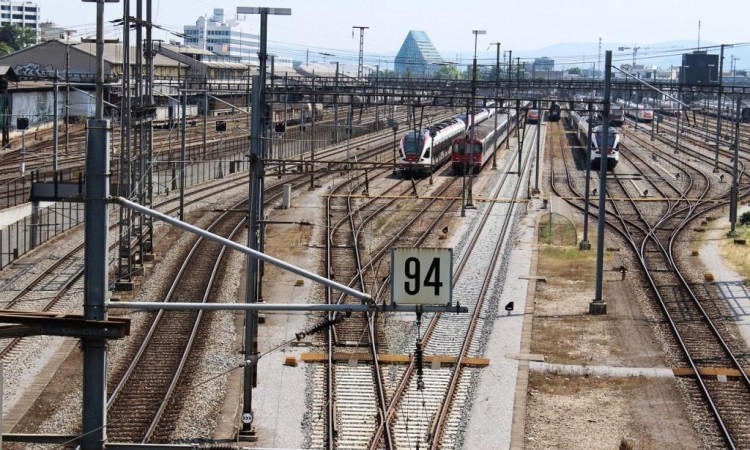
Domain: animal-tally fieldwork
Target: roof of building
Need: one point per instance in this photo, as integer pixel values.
(114, 55)
(188, 50)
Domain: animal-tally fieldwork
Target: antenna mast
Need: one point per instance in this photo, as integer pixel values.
(361, 47)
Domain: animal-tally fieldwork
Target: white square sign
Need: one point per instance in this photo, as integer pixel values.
(422, 276)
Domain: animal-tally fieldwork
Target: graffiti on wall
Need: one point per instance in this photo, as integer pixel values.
(34, 69)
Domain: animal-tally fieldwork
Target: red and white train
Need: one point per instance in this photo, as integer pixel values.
(423, 151)
(472, 150)
(638, 111)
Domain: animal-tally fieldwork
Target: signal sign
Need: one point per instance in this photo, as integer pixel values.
(422, 276)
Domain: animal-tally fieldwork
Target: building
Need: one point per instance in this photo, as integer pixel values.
(417, 56)
(541, 66)
(21, 13)
(49, 31)
(230, 38)
(699, 68)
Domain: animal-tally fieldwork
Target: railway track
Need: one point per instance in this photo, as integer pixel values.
(700, 338)
(400, 384)
(138, 407)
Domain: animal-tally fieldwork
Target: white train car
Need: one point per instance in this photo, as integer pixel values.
(581, 127)
(423, 151)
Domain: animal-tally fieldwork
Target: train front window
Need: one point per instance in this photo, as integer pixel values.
(600, 139)
(413, 144)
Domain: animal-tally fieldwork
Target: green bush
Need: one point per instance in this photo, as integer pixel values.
(745, 219)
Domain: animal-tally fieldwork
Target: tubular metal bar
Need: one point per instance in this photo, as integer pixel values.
(241, 248)
(304, 307)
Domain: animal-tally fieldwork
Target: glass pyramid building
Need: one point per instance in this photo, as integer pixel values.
(417, 56)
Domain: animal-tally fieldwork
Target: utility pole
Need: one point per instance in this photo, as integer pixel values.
(95, 257)
(598, 305)
(718, 108)
(497, 83)
(255, 214)
(361, 48)
(469, 199)
(67, 88)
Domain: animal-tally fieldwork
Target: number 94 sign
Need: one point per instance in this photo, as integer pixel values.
(421, 276)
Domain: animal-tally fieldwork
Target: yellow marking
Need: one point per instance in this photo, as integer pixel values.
(393, 359)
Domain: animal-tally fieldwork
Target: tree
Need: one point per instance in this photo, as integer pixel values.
(14, 38)
(448, 72)
(574, 71)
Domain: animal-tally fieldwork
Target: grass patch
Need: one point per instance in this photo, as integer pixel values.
(737, 256)
(566, 262)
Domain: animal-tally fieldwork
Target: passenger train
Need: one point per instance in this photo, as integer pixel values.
(728, 109)
(617, 116)
(637, 111)
(665, 107)
(580, 126)
(486, 137)
(423, 151)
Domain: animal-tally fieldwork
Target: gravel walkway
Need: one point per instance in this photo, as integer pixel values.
(729, 283)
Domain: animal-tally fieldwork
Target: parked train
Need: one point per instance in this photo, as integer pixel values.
(423, 151)
(532, 116)
(580, 126)
(468, 154)
(665, 107)
(554, 112)
(617, 116)
(478, 115)
(637, 111)
(728, 109)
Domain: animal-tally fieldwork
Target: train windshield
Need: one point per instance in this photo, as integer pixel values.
(413, 143)
(600, 139)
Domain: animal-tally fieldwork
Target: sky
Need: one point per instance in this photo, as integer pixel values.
(325, 26)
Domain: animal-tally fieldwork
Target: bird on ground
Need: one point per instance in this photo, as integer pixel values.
(593, 192)
(509, 307)
(445, 230)
(645, 193)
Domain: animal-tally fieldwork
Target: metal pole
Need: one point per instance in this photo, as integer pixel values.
(519, 140)
(183, 156)
(598, 306)
(585, 244)
(497, 84)
(96, 233)
(469, 200)
(205, 117)
(335, 105)
(538, 147)
(735, 166)
(718, 108)
(55, 129)
(95, 282)
(312, 130)
(22, 167)
(67, 88)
